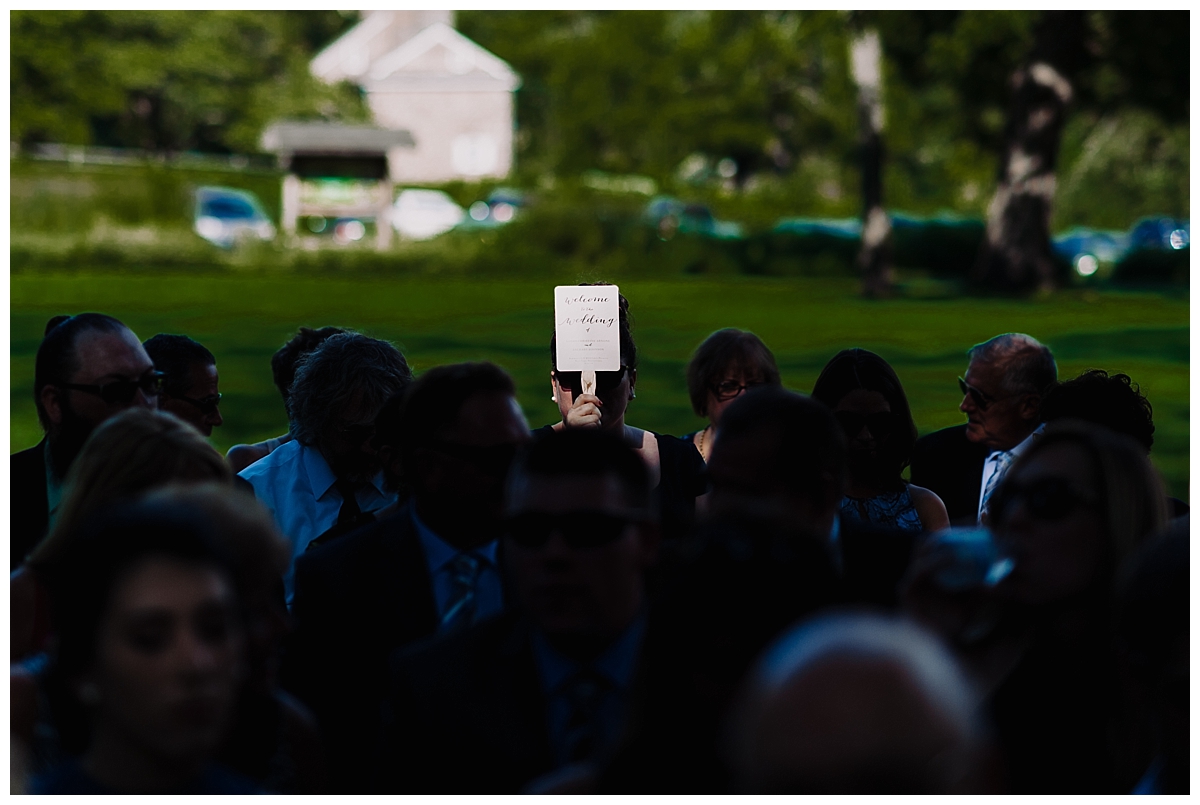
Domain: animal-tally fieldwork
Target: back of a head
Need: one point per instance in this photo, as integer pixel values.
(432, 403)
(346, 367)
(174, 356)
(283, 362)
(132, 452)
(1027, 365)
(1114, 401)
(244, 527)
(81, 587)
(56, 356)
(725, 351)
(854, 703)
(801, 448)
(586, 453)
(856, 368)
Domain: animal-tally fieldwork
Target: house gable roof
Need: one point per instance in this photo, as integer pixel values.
(463, 62)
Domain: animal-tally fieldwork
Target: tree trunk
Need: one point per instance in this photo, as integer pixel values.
(874, 256)
(1016, 256)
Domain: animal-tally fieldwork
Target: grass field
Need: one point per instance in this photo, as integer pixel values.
(243, 319)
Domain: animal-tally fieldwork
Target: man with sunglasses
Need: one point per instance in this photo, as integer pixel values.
(429, 569)
(190, 383)
(549, 687)
(88, 368)
(1002, 391)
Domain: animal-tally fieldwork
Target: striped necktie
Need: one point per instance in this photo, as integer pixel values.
(460, 610)
(1003, 460)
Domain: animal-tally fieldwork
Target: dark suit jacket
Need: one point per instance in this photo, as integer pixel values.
(952, 468)
(466, 714)
(29, 510)
(356, 599)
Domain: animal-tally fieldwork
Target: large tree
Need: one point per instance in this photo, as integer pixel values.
(172, 80)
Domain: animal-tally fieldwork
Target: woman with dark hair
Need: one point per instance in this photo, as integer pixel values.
(149, 655)
(869, 403)
(728, 363)
(676, 469)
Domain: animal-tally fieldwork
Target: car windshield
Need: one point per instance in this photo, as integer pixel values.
(226, 207)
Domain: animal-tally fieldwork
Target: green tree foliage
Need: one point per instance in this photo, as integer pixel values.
(171, 80)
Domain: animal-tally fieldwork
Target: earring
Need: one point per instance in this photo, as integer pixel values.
(632, 394)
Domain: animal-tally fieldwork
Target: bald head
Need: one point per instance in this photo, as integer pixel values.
(855, 704)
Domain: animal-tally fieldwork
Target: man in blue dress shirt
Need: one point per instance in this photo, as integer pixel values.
(425, 569)
(328, 475)
(551, 686)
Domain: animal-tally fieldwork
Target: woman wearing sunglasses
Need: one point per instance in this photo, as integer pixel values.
(676, 469)
(1070, 510)
(869, 403)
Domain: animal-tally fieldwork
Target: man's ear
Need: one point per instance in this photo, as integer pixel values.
(52, 399)
(1029, 405)
(632, 381)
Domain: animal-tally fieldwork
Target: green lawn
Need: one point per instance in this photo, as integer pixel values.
(243, 319)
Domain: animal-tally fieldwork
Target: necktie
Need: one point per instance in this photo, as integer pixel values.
(460, 611)
(349, 511)
(1003, 459)
(583, 734)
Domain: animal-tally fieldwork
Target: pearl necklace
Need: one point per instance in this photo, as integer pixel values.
(701, 445)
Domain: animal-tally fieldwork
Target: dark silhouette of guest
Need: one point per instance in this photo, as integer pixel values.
(190, 381)
(1002, 391)
(150, 650)
(550, 687)
(1154, 631)
(858, 704)
(1071, 509)
(88, 368)
(431, 568)
(727, 364)
(1111, 400)
(676, 469)
(869, 403)
(773, 550)
(126, 455)
(283, 372)
(329, 475)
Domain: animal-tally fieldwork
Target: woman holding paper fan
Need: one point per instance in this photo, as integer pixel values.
(676, 469)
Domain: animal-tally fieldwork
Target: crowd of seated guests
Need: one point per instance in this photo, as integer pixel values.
(412, 591)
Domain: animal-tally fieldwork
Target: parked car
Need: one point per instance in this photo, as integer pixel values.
(420, 214)
(670, 215)
(1088, 249)
(501, 207)
(1160, 233)
(225, 215)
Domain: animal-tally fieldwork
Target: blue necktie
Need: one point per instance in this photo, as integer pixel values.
(460, 609)
(1003, 459)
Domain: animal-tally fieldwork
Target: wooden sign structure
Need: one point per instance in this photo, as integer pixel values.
(587, 331)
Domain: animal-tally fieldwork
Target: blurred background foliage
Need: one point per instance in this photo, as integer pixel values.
(662, 94)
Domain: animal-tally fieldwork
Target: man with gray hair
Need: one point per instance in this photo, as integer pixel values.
(328, 477)
(1005, 381)
(857, 704)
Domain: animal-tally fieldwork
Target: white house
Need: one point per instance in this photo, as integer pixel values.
(422, 76)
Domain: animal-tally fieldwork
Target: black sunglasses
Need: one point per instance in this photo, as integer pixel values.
(122, 391)
(578, 529)
(605, 381)
(207, 405)
(879, 424)
(728, 389)
(1046, 498)
(494, 460)
(978, 397)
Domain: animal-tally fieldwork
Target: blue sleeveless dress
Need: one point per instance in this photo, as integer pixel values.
(891, 510)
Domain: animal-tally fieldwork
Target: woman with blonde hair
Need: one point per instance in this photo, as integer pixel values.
(132, 452)
(1070, 510)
